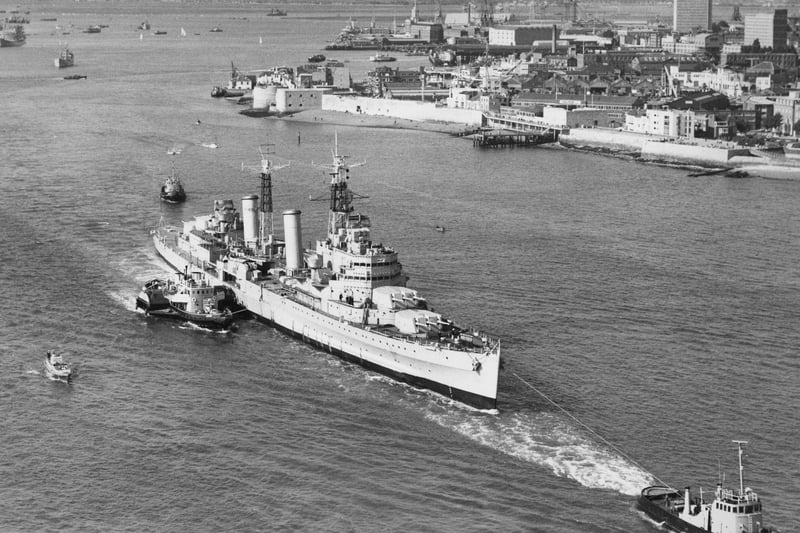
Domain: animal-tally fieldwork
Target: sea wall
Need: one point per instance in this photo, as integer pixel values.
(690, 153)
(654, 147)
(404, 109)
(611, 139)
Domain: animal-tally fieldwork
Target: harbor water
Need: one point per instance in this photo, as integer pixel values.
(647, 317)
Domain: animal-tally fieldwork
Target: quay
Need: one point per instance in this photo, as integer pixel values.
(494, 138)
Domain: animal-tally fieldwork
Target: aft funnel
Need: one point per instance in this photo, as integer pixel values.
(293, 237)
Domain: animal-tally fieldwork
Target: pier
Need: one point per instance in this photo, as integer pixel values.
(493, 138)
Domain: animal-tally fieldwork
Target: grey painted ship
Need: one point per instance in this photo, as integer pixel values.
(347, 296)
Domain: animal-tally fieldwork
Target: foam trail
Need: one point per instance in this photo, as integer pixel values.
(546, 440)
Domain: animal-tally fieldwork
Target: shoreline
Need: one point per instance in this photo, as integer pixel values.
(611, 143)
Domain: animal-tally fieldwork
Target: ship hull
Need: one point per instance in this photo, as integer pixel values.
(472, 399)
(660, 514)
(453, 374)
(8, 43)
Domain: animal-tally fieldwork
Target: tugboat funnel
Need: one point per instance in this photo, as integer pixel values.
(293, 237)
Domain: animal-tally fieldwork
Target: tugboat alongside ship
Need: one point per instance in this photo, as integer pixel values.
(191, 298)
(347, 296)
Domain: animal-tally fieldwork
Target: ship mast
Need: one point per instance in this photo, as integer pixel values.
(341, 198)
(741, 468)
(266, 223)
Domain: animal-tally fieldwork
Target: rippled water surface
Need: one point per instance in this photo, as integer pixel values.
(656, 312)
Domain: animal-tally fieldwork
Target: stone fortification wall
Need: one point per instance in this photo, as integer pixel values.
(405, 109)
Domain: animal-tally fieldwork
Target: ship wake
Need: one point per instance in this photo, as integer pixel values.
(547, 440)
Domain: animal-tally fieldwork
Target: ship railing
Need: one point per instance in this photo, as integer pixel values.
(733, 495)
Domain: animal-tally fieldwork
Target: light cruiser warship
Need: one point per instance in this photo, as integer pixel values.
(347, 296)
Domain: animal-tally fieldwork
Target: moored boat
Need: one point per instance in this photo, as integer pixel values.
(275, 12)
(191, 298)
(346, 296)
(15, 37)
(55, 367)
(382, 58)
(66, 58)
(730, 510)
(316, 58)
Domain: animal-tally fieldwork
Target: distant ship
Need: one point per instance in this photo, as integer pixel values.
(730, 511)
(15, 37)
(274, 12)
(346, 296)
(382, 58)
(65, 59)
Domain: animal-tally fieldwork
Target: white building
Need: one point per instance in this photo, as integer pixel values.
(771, 29)
(663, 122)
(722, 80)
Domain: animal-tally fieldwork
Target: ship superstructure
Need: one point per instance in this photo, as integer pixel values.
(347, 295)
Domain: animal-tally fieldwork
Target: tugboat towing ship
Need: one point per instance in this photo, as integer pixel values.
(730, 511)
(347, 296)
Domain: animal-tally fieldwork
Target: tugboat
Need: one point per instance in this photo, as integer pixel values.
(731, 511)
(55, 367)
(172, 191)
(191, 298)
(346, 296)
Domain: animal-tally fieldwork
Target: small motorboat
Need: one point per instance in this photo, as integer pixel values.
(440, 229)
(316, 58)
(190, 298)
(55, 367)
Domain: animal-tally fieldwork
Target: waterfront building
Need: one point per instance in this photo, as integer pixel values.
(428, 32)
(689, 15)
(789, 108)
(771, 29)
(521, 35)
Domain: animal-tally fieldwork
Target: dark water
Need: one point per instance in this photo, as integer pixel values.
(658, 310)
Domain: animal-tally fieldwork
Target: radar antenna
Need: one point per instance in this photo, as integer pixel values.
(266, 223)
